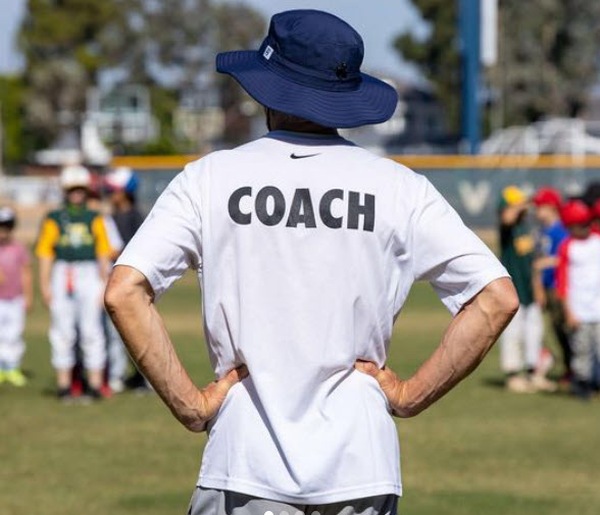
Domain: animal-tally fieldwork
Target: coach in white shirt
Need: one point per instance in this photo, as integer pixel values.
(305, 247)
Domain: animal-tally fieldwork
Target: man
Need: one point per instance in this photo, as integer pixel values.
(305, 247)
(547, 202)
(521, 343)
(73, 253)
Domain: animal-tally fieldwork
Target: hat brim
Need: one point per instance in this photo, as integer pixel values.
(372, 102)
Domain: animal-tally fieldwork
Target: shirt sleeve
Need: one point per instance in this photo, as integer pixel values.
(169, 241)
(47, 239)
(448, 254)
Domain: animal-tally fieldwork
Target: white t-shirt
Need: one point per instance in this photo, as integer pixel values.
(306, 248)
(578, 276)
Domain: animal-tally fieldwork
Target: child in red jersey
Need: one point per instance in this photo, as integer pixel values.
(16, 295)
(578, 286)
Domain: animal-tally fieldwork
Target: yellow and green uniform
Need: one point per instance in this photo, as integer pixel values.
(74, 238)
(517, 247)
(73, 234)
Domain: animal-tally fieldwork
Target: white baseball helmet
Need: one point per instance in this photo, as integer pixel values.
(75, 176)
(7, 216)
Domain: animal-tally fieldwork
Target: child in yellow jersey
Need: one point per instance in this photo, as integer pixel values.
(74, 253)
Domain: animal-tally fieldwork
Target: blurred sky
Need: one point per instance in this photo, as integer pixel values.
(378, 23)
(11, 12)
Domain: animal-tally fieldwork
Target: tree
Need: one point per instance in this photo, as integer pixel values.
(59, 39)
(437, 57)
(165, 45)
(165, 42)
(11, 120)
(548, 56)
(172, 45)
(239, 27)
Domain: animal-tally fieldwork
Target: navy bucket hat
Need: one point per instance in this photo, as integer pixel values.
(309, 66)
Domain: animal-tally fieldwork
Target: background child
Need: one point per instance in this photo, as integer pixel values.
(548, 202)
(521, 341)
(16, 294)
(578, 286)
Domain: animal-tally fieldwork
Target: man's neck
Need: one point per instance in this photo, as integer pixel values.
(309, 129)
(281, 122)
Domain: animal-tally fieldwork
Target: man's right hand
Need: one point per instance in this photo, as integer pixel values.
(211, 398)
(466, 341)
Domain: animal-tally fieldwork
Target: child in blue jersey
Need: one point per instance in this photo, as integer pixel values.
(547, 203)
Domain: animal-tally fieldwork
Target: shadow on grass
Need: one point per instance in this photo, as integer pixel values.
(493, 382)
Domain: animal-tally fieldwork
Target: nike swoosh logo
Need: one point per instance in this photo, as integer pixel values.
(294, 156)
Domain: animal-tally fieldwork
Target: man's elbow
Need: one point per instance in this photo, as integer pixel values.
(504, 297)
(115, 295)
(124, 289)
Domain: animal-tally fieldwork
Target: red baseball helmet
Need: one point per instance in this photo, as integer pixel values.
(547, 196)
(576, 212)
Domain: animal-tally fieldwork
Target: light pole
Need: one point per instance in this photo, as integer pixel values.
(469, 17)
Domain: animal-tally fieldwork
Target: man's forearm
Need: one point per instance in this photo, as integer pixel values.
(466, 341)
(150, 347)
(129, 302)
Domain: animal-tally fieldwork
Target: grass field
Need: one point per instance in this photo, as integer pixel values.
(480, 451)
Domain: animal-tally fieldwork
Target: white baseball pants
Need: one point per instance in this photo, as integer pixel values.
(521, 341)
(76, 305)
(12, 324)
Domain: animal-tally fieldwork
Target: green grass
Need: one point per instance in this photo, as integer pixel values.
(478, 451)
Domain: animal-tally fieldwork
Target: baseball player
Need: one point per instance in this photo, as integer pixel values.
(305, 247)
(547, 202)
(521, 343)
(578, 286)
(16, 295)
(73, 253)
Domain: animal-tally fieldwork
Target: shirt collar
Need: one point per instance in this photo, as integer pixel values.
(307, 138)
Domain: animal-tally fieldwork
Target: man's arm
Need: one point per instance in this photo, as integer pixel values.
(129, 302)
(465, 343)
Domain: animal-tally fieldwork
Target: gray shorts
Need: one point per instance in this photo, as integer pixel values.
(206, 501)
